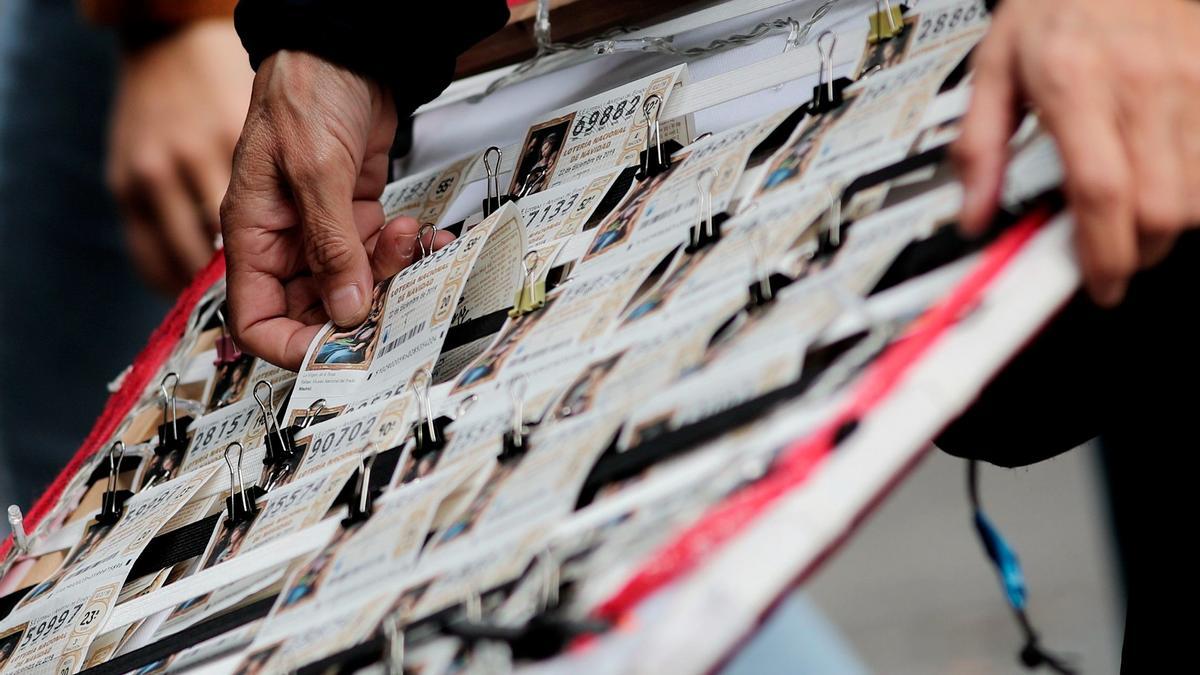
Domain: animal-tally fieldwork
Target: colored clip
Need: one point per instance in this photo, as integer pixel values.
(531, 296)
(227, 350)
(886, 23)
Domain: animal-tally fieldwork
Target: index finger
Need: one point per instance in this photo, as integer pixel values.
(258, 303)
(981, 151)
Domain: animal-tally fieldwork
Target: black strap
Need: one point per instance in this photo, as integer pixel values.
(616, 466)
(8, 602)
(191, 637)
(174, 547)
(613, 197)
(474, 329)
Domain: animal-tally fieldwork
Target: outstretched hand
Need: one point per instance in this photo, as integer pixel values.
(304, 231)
(1117, 85)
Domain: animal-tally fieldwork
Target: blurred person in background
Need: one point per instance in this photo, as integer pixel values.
(146, 98)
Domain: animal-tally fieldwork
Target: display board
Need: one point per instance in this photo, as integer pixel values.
(663, 369)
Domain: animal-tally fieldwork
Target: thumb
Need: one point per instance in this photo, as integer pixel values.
(334, 253)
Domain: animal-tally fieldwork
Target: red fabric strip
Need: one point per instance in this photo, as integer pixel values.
(144, 367)
(692, 546)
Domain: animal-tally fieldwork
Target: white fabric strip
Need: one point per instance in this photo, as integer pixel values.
(467, 87)
(696, 96)
(239, 567)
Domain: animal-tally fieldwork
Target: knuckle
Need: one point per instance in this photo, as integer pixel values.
(1143, 69)
(328, 251)
(1158, 215)
(228, 212)
(117, 179)
(319, 161)
(1187, 71)
(1065, 63)
(149, 168)
(967, 148)
(1100, 188)
(190, 151)
(1114, 268)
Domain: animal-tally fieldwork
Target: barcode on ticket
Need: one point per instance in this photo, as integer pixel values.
(401, 339)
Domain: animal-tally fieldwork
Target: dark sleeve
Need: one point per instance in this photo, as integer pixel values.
(410, 47)
(1092, 372)
(1048, 400)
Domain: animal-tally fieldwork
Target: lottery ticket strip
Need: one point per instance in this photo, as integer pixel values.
(654, 381)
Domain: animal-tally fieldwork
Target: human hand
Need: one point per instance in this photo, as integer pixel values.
(176, 117)
(305, 238)
(1117, 85)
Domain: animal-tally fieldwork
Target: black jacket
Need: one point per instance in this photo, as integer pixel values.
(411, 47)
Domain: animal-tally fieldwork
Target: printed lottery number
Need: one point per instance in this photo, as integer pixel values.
(349, 434)
(552, 210)
(227, 429)
(52, 624)
(610, 114)
(949, 19)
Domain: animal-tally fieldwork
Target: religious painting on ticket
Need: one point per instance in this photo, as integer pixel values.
(9, 640)
(616, 228)
(486, 365)
(539, 155)
(789, 166)
(230, 382)
(353, 348)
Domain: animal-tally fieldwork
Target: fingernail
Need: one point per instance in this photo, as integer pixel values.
(344, 304)
(970, 206)
(1108, 295)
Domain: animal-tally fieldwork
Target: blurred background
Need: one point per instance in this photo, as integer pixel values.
(93, 244)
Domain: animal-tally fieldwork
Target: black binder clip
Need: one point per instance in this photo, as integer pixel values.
(544, 635)
(227, 350)
(240, 506)
(653, 160)
(429, 433)
(112, 503)
(280, 446)
(827, 95)
(707, 230)
(762, 291)
(393, 644)
(829, 234)
(362, 502)
(516, 439)
(494, 199)
(171, 433)
(311, 416)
